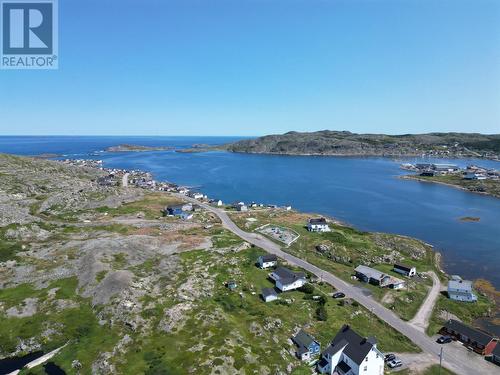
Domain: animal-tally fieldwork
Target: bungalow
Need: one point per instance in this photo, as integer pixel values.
(318, 225)
(495, 354)
(288, 280)
(373, 276)
(269, 294)
(461, 290)
(405, 270)
(196, 195)
(351, 354)
(396, 283)
(307, 346)
(474, 176)
(479, 341)
(445, 167)
(242, 208)
(267, 261)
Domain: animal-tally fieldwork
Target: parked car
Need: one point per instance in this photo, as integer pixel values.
(395, 363)
(338, 295)
(389, 357)
(444, 340)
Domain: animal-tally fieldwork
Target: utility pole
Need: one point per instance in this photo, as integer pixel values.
(440, 360)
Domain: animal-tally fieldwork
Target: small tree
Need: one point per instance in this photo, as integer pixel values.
(307, 288)
(321, 313)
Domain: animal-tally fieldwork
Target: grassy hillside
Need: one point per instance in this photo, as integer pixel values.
(346, 143)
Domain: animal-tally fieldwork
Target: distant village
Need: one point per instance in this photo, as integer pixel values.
(471, 172)
(348, 352)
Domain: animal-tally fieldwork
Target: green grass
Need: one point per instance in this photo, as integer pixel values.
(237, 313)
(151, 205)
(350, 247)
(465, 311)
(431, 370)
(76, 326)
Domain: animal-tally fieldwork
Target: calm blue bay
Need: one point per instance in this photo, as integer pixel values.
(364, 192)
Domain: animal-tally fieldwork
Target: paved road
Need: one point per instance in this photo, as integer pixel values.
(423, 315)
(456, 359)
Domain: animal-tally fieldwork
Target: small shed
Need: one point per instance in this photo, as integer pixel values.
(269, 294)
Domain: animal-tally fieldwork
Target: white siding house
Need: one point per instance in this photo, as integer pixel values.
(405, 270)
(351, 354)
(461, 290)
(267, 261)
(288, 280)
(318, 225)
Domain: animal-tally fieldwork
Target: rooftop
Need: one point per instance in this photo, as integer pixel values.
(268, 292)
(462, 285)
(320, 221)
(357, 346)
(370, 272)
(472, 333)
(303, 339)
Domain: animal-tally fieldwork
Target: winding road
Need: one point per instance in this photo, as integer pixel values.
(455, 358)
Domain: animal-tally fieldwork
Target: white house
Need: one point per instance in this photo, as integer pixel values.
(196, 195)
(267, 261)
(474, 176)
(351, 354)
(242, 208)
(318, 225)
(288, 280)
(461, 290)
(269, 294)
(405, 270)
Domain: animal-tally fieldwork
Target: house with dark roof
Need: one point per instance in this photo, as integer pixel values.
(477, 340)
(286, 279)
(267, 261)
(495, 354)
(307, 346)
(372, 276)
(269, 294)
(461, 290)
(351, 354)
(318, 225)
(405, 270)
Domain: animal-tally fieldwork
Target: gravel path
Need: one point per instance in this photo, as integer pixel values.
(421, 318)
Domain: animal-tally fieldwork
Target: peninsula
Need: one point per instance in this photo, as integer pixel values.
(344, 143)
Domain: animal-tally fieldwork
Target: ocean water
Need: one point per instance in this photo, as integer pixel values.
(364, 192)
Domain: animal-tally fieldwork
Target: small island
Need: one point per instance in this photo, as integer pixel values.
(136, 148)
(470, 219)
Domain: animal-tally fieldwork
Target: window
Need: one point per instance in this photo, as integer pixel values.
(366, 368)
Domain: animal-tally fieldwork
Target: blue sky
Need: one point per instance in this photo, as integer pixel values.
(156, 67)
